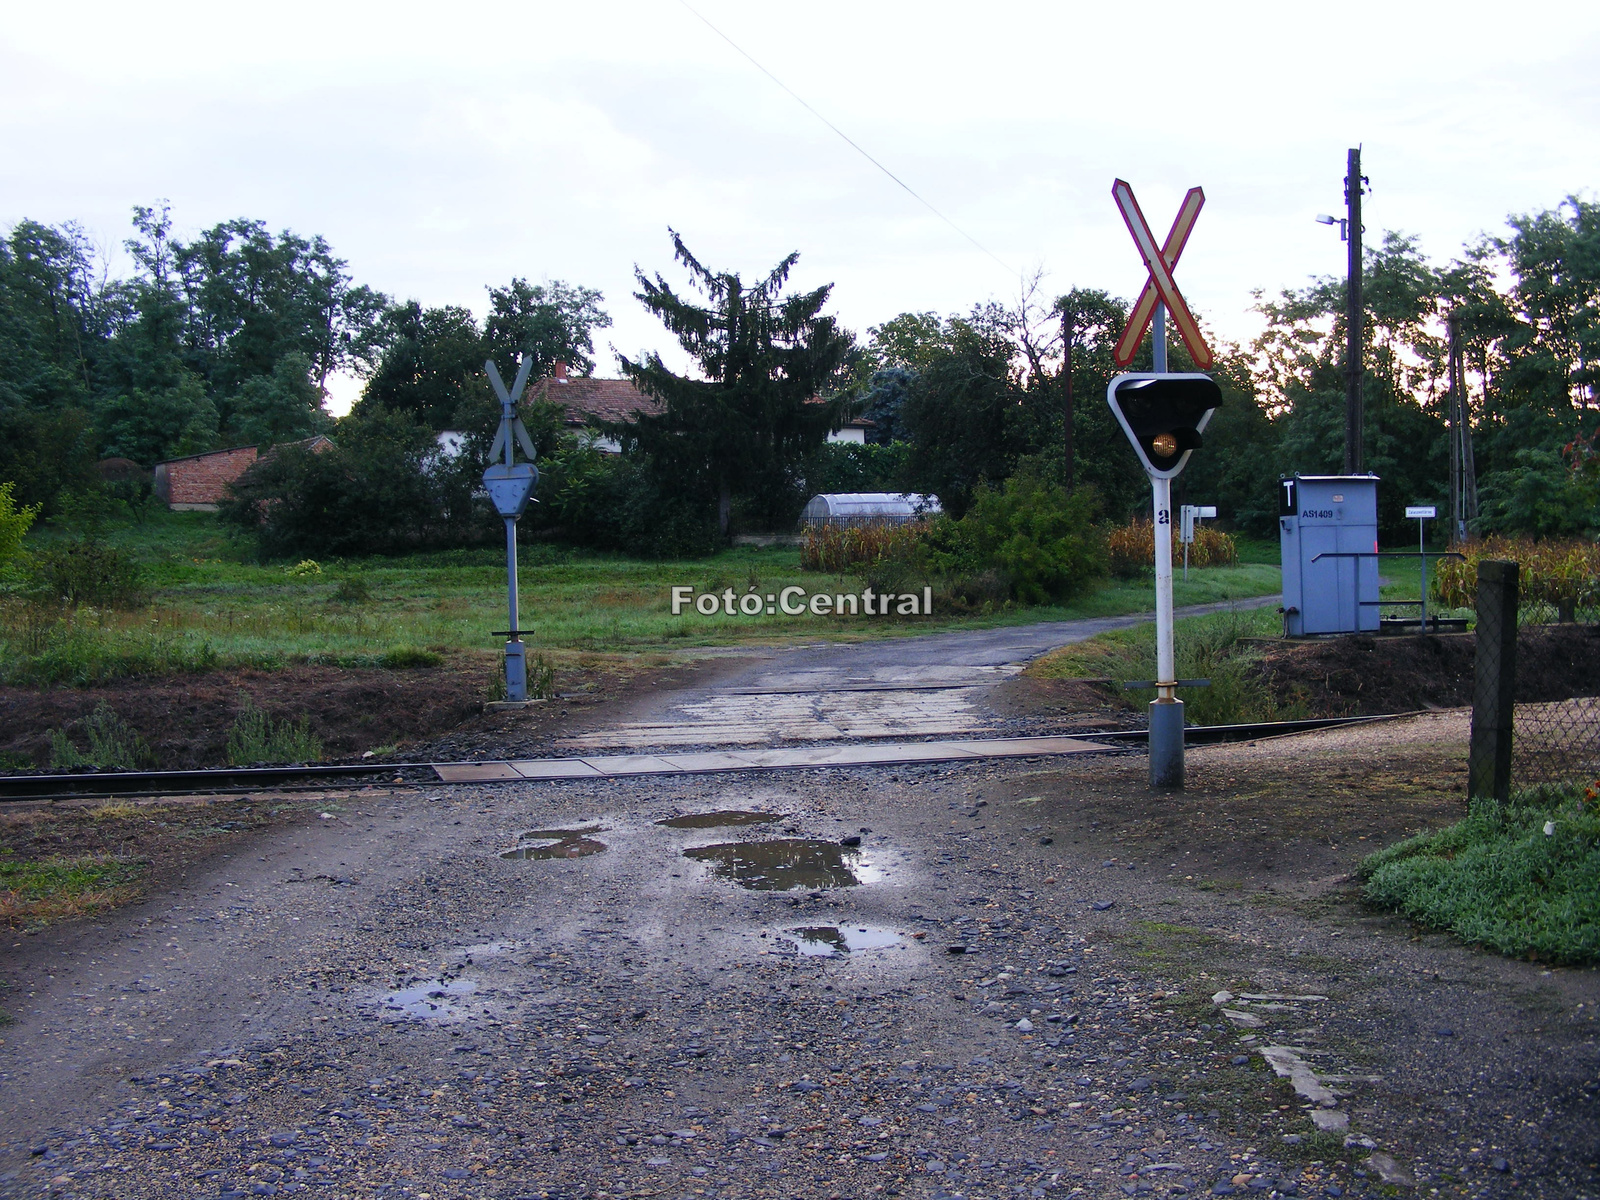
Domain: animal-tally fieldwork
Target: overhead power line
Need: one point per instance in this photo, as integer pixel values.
(799, 99)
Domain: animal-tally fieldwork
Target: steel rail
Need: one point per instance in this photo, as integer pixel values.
(101, 784)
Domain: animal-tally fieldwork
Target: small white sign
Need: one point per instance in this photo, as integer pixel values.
(1421, 512)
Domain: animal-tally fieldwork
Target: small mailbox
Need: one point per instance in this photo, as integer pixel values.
(1328, 534)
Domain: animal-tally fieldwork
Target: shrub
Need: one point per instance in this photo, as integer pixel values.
(113, 744)
(613, 502)
(848, 467)
(86, 572)
(14, 522)
(382, 488)
(1044, 541)
(257, 738)
(303, 568)
(1131, 549)
(1562, 573)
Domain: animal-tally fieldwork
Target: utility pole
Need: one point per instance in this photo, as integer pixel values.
(1463, 469)
(1353, 457)
(1066, 375)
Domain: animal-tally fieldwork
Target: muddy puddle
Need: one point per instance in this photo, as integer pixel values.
(429, 1000)
(556, 843)
(783, 864)
(717, 820)
(837, 941)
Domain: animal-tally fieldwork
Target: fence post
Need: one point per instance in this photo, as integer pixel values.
(1494, 681)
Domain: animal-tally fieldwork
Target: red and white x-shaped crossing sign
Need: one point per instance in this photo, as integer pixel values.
(1160, 288)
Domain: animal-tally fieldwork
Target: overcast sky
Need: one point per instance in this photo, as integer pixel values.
(441, 148)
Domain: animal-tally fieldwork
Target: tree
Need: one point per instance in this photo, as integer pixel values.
(285, 406)
(252, 298)
(432, 364)
(882, 401)
(960, 416)
(430, 360)
(1299, 374)
(162, 423)
(746, 426)
(552, 323)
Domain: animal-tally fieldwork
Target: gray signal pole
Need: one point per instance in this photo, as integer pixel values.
(1353, 456)
(510, 485)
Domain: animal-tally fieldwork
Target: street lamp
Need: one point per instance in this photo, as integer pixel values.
(1342, 222)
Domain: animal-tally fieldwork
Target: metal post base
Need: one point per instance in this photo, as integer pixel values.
(517, 673)
(1166, 744)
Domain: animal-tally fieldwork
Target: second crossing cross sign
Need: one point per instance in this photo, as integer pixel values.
(1160, 287)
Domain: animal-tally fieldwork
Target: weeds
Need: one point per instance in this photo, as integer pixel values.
(1521, 878)
(45, 645)
(1132, 548)
(841, 549)
(257, 738)
(52, 889)
(541, 679)
(1563, 575)
(114, 745)
(405, 658)
(352, 589)
(1216, 648)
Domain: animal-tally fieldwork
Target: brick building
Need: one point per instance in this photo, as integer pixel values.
(199, 482)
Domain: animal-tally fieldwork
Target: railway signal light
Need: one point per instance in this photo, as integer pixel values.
(1163, 417)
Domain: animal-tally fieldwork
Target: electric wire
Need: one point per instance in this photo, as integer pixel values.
(853, 144)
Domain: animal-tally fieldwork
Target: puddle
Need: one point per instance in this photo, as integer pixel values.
(556, 843)
(785, 863)
(715, 820)
(429, 1000)
(835, 941)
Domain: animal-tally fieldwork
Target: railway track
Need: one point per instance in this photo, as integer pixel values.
(236, 780)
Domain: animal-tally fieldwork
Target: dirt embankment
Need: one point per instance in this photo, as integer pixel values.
(186, 719)
(424, 713)
(1361, 675)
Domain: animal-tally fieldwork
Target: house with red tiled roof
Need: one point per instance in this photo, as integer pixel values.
(589, 401)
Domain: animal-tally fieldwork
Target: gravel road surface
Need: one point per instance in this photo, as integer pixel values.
(378, 1003)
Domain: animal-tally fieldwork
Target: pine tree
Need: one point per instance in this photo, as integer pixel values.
(766, 359)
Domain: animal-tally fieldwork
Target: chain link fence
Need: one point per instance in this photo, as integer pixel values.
(1554, 741)
(1536, 692)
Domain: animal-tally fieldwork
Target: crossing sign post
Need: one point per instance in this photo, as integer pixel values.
(510, 486)
(1160, 295)
(1163, 415)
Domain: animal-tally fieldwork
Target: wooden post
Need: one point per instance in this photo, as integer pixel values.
(1354, 458)
(1494, 681)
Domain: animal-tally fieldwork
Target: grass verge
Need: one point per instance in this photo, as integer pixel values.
(53, 889)
(209, 609)
(1521, 878)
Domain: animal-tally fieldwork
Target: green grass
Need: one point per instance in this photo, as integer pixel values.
(1498, 880)
(1212, 647)
(211, 606)
(50, 889)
